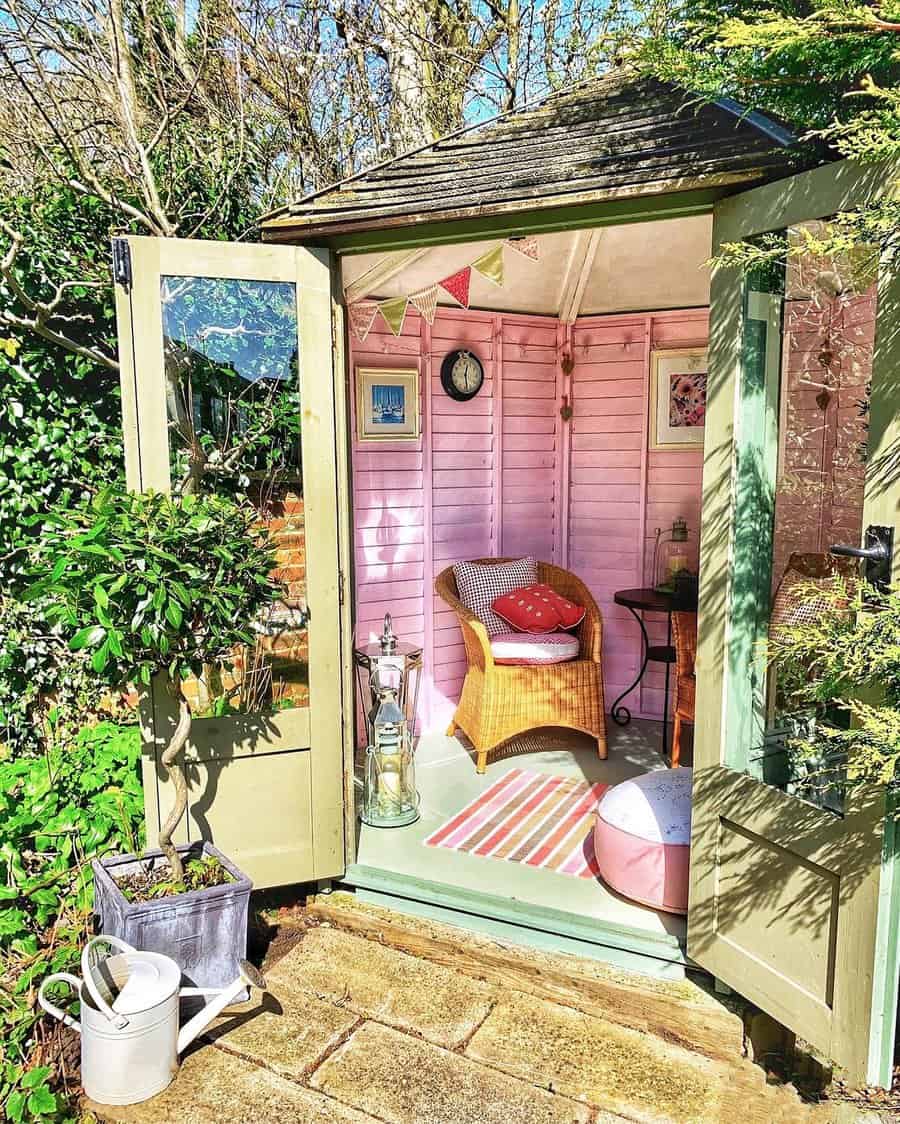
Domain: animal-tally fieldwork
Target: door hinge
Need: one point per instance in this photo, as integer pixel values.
(341, 582)
(121, 254)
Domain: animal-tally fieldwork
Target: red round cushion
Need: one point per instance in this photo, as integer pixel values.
(537, 609)
(570, 614)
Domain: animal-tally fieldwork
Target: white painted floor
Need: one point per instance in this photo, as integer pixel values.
(447, 781)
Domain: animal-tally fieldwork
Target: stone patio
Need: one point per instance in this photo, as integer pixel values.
(357, 1028)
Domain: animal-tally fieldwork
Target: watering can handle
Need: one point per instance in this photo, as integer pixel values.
(88, 963)
(51, 1008)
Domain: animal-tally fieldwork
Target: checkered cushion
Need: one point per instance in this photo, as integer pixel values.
(479, 585)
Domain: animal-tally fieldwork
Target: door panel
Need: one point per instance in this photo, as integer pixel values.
(229, 387)
(794, 893)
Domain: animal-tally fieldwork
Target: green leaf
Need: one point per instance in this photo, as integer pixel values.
(42, 1102)
(101, 657)
(15, 1106)
(87, 637)
(35, 1077)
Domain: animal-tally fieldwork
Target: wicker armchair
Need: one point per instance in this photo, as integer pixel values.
(499, 701)
(684, 635)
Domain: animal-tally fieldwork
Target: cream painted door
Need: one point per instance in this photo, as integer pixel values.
(794, 890)
(229, 356)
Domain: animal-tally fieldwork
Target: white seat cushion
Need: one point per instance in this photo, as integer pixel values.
(479, 585)
(526, 649)
(655, 807)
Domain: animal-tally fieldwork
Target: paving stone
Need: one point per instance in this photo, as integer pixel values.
(213, 1087)
(404, 1080)
(383, 984)
(287, 1029)
(622, 1070)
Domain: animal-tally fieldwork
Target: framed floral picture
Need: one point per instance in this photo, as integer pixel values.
(678, 398)
(387, 404)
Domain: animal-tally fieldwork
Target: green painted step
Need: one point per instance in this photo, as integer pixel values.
(660, 955)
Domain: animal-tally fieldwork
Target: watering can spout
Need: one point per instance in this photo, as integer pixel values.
(249, 977)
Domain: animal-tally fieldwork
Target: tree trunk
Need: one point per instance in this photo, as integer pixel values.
(176, 776)
(405, 53)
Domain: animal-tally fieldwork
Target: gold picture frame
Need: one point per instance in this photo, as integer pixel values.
(678, 393)
(387, 404)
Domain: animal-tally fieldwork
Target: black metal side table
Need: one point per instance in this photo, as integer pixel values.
(649, 600)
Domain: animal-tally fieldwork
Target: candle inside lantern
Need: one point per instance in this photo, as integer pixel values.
(390, 798)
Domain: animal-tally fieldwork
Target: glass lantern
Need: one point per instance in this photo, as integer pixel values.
(671, 556)
(389, 790)
(390, 662)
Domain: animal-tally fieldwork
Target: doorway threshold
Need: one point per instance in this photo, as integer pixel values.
(660, 955)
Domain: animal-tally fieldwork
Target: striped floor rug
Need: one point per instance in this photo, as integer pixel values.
(531, 818)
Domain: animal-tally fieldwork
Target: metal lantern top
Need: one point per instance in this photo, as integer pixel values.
(387, 644)
(671, 560)
(388, 662)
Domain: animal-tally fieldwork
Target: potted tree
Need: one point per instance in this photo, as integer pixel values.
(155, 589)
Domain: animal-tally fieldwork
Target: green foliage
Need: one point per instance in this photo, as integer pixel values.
(817, 64)
(199, 874)
(61, 439)
(829, 68)
(150, 584)
(81, 799)
(844, 662)
(44, 687)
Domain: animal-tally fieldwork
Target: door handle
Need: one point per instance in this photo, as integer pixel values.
(877, 555)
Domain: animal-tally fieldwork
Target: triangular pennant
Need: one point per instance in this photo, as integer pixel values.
(426, 302)
(362, 316)
(490, 265)
(458, 285)
(528, 246)
(394, 313)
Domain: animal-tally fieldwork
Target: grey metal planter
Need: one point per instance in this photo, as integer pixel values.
(204, 931)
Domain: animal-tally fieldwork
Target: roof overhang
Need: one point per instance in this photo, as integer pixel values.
(527, 216)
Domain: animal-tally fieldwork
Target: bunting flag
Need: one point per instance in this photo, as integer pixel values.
(457, 285)
(528, 246)
(490, 265)
(362, 317)
(425, 302)
(394, 313)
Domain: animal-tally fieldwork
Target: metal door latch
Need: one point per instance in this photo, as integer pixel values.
(877, 555)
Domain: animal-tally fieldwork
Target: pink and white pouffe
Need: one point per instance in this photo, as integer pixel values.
(642, 838)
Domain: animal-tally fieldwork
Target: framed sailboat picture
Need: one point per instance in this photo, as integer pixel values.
(387, 404)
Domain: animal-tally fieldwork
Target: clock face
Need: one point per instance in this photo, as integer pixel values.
(462, 375)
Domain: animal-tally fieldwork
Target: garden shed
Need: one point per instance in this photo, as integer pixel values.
(510, 345)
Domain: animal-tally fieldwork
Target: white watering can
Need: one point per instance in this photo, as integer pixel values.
(130, 1039)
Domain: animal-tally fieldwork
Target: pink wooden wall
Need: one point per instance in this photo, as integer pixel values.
(503, 474)
(620, 489)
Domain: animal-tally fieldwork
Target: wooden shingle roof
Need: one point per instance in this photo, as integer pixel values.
(607, 139)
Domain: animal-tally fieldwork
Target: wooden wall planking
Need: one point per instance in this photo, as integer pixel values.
(620, 490)
(674, 481)
(504, 473)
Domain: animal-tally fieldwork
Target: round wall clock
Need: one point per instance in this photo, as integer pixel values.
(462, 375)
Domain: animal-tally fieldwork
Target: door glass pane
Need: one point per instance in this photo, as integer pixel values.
(808, 335)
(233, 403)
